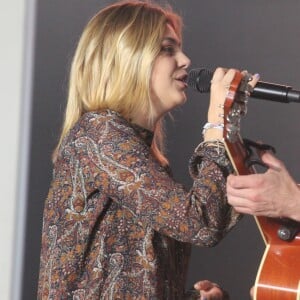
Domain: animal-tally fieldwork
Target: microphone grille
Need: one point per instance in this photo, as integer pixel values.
(199, 79)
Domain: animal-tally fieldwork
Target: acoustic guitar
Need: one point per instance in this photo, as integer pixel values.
(278, 276)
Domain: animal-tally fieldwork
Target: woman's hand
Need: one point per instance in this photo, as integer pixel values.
(220, 85)
(210, 291)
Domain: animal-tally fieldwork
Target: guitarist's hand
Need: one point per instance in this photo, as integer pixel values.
(272, 194)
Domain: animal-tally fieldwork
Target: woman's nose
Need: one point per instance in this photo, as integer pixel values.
(184, 61)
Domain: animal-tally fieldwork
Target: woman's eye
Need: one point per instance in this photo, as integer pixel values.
(170, 50)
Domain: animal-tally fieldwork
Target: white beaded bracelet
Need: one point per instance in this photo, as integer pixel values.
(208, 125)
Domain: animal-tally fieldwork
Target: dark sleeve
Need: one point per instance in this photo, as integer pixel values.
(121, 165)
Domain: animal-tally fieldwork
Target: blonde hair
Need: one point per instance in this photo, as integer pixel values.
(112, 65)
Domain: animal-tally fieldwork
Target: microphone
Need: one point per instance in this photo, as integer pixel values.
(200, 79)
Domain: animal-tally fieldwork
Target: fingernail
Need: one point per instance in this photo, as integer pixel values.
(257, 76)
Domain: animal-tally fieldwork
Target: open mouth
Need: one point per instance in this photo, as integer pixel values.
(183, 78)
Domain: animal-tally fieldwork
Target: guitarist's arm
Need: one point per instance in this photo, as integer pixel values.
(273, 193)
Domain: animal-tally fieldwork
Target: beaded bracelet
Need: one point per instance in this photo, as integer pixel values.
(208, 125)
(218, 144)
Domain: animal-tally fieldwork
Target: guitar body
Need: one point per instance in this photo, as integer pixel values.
(278, 276)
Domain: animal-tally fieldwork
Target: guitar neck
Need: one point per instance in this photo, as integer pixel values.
(238, 155)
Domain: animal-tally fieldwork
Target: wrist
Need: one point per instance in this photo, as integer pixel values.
(212, 134)
(212, 131)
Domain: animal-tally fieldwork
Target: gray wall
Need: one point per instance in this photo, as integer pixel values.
(260, 36)
(15, 79)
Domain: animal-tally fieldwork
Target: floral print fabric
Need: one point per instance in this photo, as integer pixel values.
(116, 225)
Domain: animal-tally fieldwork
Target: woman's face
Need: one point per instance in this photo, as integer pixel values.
(169, 74)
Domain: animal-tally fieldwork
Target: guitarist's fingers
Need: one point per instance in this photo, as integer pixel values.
(247, 203)
(251, 207)
(243, 181)
(272, 161)
(240, 197)
(240, 204)
(243, 210)
(236, 196)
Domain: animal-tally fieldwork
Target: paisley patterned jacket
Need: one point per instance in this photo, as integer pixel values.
(116, 225)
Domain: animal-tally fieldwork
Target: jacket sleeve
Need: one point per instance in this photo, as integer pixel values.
(119, 162)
